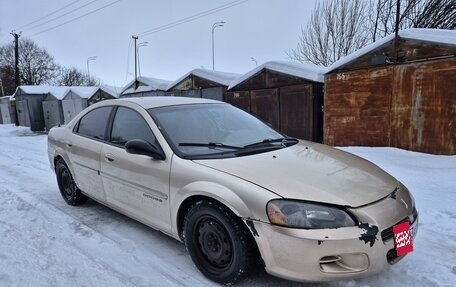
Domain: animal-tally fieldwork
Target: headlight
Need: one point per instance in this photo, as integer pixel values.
(299, 214)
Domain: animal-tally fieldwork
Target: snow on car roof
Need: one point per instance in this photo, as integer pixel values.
(305, 71)
(222, 78)
(441, 36)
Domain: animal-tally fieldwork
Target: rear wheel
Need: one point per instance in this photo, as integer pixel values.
(218, 243)
(68, 189)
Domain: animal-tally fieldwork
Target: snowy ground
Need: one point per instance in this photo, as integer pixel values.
(44, 242)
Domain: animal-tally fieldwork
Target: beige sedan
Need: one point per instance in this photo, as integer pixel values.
(236, 192)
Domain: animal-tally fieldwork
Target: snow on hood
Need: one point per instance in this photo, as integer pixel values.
(312, 172)
(305, 71)
(441, 36)
(222, 78)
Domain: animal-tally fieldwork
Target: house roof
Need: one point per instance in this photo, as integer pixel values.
(440, 36)
(305, 71)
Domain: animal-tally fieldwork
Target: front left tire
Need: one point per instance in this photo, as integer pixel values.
(68, 188)
(218, 242)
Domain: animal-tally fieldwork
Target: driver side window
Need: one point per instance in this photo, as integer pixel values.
(129, 125)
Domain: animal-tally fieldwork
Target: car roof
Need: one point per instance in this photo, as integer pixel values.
(155, 102)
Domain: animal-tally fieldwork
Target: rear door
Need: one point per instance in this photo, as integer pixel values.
(84, 150)
(138, 185)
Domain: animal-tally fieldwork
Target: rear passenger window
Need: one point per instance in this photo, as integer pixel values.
(94, 123)
(129, 125)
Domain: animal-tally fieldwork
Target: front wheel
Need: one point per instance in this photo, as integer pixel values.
(218, 243)
(68, 189)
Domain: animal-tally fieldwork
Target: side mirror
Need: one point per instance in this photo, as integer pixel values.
(138, 146)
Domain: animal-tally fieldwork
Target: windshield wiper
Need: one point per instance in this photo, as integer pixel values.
(266, 142)
(211, 145)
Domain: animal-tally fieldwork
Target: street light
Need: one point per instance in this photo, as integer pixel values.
(215, 25)
(93, 58)
(142, 44)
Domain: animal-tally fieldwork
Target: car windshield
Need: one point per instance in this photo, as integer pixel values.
(214, 130)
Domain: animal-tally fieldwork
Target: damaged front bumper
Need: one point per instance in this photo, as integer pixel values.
(318, 255)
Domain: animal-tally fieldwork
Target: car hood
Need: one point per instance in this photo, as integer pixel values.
(313, 172)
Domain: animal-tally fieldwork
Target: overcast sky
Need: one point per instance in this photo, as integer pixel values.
(262, 29)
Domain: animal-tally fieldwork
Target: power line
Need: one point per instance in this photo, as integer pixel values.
(191, 18)
(76, 18)
(58, 17)
(44, 17)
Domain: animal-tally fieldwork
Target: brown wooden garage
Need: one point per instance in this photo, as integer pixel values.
(286, 95)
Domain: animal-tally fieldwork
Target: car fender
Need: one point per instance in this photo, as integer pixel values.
(246, 200)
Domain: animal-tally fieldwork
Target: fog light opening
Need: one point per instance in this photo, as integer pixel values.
(344, 263)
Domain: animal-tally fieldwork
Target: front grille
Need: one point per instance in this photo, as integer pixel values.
(387, 234)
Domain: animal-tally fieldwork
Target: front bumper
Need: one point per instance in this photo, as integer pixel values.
(336, 254)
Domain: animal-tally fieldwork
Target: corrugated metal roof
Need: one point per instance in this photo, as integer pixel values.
(440, 36)
(305, 71)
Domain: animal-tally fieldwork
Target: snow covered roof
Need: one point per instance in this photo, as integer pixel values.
(56, 91)
(305, 71)
(222, 78)
(148, 84)
(84, 92)
(441, 36)
(112, 90)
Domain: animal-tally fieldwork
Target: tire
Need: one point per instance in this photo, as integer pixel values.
(219, 244)
(68, 189)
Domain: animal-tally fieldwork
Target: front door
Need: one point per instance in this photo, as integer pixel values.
(136, 184)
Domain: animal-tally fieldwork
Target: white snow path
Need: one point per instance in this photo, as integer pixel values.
(44, 242)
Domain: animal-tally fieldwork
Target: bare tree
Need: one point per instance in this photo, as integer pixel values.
(340, 27)
(440, 14)
(336, 29)
(36, 65)
(8, 81)
(75, 77)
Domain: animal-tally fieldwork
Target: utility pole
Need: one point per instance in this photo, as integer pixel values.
(16, 57)
(396, 33)
(16, 68)
(136, 62)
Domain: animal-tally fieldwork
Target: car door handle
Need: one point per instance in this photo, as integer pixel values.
(69, 145)
(109, 157)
